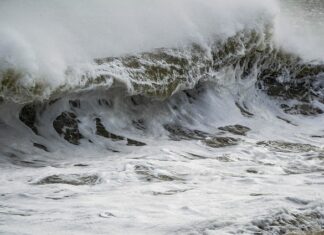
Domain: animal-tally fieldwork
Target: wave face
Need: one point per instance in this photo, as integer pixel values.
(43, 48)
(181, 117)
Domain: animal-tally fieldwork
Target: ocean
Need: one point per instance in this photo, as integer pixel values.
(161, 117)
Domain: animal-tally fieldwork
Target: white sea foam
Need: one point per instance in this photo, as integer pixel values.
(103, 186)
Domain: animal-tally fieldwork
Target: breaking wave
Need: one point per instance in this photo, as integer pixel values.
(159, 85)
(250, 55)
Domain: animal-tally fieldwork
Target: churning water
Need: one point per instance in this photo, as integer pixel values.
(161, 117)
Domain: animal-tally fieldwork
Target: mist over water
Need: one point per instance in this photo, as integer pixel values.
(161, 117)
(300, 28)
(42, 39)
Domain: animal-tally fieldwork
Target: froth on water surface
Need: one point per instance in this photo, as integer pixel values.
(161, 117)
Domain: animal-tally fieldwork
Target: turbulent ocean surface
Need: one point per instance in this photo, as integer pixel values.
(161, 117)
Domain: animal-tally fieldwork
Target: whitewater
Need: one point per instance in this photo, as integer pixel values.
(161, 117)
